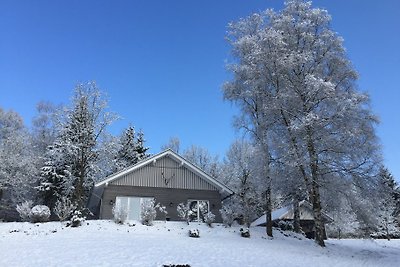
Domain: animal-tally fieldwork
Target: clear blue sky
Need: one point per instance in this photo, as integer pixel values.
(162, 62)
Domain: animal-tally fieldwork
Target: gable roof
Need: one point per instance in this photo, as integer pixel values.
(287, 213)
(170, 154)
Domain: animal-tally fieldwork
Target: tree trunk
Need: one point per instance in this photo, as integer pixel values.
(263, 142)
(319, 226)
(79, 193)
(295, 146)
(81, 179)
(296, 215)
(268, 211)
(387, 230)
(316, 198)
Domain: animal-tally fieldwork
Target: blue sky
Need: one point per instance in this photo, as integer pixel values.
(162, 62)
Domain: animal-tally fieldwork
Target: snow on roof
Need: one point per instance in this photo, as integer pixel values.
(287, 213)
(276, 215)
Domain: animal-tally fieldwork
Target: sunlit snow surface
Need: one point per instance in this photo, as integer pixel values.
(104, 243)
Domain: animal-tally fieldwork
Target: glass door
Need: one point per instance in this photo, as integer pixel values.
(198, 209)
(132, 206)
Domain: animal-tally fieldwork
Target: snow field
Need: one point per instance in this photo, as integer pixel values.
(104, 243)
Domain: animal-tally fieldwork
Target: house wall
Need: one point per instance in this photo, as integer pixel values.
(165, 172)
(165, 196)
(306, 213)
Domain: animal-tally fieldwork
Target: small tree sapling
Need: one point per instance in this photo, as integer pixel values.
(24, 210)
(63, 208)
(120, 214)
(184, 212)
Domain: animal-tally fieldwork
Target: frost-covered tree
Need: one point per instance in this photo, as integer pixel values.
(120, 213)
(107, 150)
(44, 127)
(345, 223)
(64, 208)
(24, 210)
(131, 148)
(292, 75)
(249, 91)
(202, 158)
(184, 212)
(209, 218)
(70, 168)
(228, 214)
(17, 168)
(241, 175)
(173, 144)
(148, 211)
(55, 174)
(141, 149)
(388, 195)
(197, 155)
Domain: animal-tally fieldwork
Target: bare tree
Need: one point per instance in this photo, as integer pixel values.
(173, 144)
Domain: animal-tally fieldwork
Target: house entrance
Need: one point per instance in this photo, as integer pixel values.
(132, 205)
(199, 209)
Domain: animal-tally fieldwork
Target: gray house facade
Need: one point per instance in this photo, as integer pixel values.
(169, 179)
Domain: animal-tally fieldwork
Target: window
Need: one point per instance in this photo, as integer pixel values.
(132, 205)
(199, 209)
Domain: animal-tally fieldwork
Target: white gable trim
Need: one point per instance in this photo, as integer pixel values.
(178, 158)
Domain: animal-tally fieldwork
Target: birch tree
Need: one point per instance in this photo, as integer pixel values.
(43, 127)
(292, 79)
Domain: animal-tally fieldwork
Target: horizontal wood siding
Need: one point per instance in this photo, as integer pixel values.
(169, 197)
(154, 175)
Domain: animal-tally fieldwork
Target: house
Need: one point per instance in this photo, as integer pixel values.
(286, 214)
(166, 177)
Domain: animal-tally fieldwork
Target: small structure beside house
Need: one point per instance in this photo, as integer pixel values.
(286, 214)
(166, 177)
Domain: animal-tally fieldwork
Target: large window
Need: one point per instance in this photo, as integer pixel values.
(199, 209)
(131, 205)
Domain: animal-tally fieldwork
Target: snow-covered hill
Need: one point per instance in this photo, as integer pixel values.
(104, 243)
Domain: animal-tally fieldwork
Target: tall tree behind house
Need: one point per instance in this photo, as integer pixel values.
(70, 168)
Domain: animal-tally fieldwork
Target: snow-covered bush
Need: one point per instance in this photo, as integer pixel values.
(162, 209)
(24, 210)
(40, 213)
(120, 214)
(148, 212)
(77, 219)
(209, 218)
(64, 208)
(184, 212)
(194, 233)
(228, 215)
(245, 232)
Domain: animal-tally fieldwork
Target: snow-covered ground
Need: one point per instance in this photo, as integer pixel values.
(104, 243)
